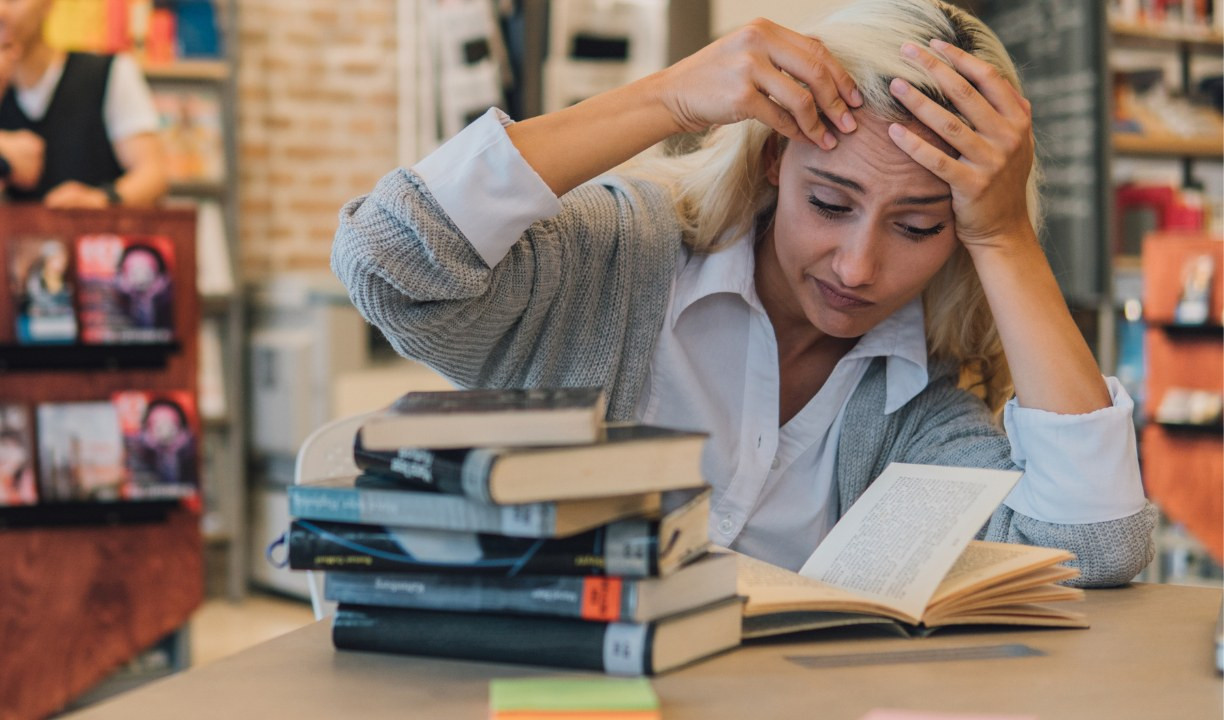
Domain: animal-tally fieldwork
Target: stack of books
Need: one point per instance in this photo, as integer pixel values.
(515, 526)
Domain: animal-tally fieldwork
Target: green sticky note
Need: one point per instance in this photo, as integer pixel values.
(582, 694)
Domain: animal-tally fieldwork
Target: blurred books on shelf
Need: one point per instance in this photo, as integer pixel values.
(191, 129)
(154, 32)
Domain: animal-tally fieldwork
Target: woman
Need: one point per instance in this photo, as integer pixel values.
(855, 237)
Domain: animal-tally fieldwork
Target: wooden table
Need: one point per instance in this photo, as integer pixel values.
(1150, 654)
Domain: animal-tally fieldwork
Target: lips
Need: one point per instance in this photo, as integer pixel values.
(839, 298)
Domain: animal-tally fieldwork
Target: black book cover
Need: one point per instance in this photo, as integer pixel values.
(442, 470)
(559, 642)
(496, 401)
(319, 545)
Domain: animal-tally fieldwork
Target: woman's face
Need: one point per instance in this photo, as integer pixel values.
(139, 270)
(858, 231)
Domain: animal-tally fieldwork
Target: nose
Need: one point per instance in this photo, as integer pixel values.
(857, 259)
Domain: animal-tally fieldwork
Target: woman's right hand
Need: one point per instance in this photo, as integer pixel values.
(759, 71)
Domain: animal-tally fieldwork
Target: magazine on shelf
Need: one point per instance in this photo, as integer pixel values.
(80, 452)
(126, 292)
(41, 287)
(161, 440)
(17, 480)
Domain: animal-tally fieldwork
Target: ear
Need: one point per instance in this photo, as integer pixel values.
(771, 157)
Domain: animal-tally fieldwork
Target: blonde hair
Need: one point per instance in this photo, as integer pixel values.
(721, 189)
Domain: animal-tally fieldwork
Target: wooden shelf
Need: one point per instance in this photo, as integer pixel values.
(210, 70)
(1168, 146)
(1206, 39)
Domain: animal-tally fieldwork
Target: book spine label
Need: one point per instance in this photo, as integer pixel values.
(556, 642)
(589, 598)
(624, 649)
(630, 550)
(426, 510)
(316, 545)
(475, 474)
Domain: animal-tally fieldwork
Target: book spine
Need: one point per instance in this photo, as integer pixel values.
(415, 468)
(338, 546)
(438, 511)
(605, 599)
(618, 648)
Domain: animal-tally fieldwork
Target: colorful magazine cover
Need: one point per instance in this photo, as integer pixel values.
(17, 483)
(80, 452)
(40, 284)
(126, 289)
(161, 442)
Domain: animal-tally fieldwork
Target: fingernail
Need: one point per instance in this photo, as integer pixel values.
(909, 50)
(830, 141)
(898, 86)
(896, 132)
(856, 97)
(939, 44)
(847, 122)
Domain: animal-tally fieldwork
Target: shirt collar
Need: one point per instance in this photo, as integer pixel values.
(900, 338)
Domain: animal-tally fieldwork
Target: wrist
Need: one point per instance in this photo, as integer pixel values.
(112, 195)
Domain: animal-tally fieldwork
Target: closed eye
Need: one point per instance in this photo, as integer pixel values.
(919, 233)
(827, 210)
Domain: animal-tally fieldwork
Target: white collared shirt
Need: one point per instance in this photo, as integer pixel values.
(715, 368)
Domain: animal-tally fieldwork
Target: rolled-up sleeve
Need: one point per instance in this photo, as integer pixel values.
(484, 185)
(1077, 468)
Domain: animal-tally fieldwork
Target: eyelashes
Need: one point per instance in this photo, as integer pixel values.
(836, 212)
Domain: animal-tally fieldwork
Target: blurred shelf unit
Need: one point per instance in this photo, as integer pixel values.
(204, 70)
(1168, 146)
(1182, 440)
(1166, 35)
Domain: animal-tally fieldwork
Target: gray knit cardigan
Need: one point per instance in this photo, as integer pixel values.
(580, 300)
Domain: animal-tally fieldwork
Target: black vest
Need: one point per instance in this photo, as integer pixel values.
(74, 128)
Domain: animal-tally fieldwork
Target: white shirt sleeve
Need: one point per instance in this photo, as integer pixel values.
(1083, 468)
(128, 107)
(486, 187)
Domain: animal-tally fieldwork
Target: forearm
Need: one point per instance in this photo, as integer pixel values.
(143, 185)
(1051, 365)
(571, 146)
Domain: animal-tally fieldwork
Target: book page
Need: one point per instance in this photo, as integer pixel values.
(771, 589)
(902, 536)
(988, 563)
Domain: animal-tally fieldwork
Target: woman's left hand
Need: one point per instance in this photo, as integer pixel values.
(990, 178)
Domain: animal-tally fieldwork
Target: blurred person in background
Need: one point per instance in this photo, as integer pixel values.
(77, 130)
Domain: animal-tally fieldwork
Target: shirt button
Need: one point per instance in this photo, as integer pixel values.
(725, 524)
(776, 462)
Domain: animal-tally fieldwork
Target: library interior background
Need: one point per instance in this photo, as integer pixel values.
(271, 115)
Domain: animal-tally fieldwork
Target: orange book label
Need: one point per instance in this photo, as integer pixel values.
(601, 598)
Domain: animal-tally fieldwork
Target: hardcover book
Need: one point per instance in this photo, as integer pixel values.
(80, 452)
(606, 599)
(615, 648)
(161, 438)
(639, 547)
(41, 287)
(629, 459)
(17, 480)
(126, 289)
(472, 418)
(371, 500)
(904, 555)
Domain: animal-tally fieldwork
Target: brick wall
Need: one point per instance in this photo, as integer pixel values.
(316, 122)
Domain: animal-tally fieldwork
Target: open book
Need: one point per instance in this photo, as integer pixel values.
(904, 555)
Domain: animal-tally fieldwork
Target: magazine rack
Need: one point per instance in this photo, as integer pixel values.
(326, 453)
(80, 601)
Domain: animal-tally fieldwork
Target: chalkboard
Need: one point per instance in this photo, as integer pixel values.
(1059, 47)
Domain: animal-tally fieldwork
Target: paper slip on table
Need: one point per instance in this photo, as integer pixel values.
(1149, 654)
